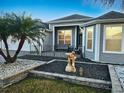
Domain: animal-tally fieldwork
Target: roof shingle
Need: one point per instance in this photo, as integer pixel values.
(72, 17)
(111, 15)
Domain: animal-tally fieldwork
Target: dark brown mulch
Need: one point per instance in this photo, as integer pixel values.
(36, 57)
(48, 58)
(95, 71)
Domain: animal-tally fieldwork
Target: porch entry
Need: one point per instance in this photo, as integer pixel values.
(64, 37)
(67, 36)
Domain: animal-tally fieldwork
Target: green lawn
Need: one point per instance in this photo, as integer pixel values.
(42, 85)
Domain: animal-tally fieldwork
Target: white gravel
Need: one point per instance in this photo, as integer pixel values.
(1, 59)
(21, 65)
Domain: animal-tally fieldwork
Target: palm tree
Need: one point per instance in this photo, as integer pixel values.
(111, 2)
(20, 28)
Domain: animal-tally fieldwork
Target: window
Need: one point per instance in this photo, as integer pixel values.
(89, 38)
(113, 38)
(64, 37)
(61, 37)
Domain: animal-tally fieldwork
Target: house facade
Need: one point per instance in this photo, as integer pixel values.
(66, 31)
(101, 39)
(104, 38)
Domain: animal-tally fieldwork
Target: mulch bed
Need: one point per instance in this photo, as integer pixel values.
(95, 71)
(36, 57)
(48, 58)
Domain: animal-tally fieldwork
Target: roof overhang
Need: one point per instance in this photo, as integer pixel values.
(100, 21)
(64, 21)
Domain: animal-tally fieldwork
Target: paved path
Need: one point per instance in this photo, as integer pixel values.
(120, 74)
(117, 78)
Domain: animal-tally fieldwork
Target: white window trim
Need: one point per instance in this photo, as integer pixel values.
(97, 41)
(90, 50)
(104, 41)
(71, 37)
(64, 36)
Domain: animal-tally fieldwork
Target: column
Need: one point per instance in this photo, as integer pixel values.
(75, 36)
(83, 39)
(97, 42)
(123, 38)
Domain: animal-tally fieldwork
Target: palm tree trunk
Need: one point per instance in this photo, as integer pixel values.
(21, 43)
(2, 54)
(8, 58)
(6, 45)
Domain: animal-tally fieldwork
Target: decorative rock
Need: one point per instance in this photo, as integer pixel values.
(81, 71)
(20, 66)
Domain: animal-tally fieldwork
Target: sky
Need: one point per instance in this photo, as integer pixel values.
(47, 10)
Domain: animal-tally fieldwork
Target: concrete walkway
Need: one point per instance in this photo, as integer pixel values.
(117, 85)
(56, 54)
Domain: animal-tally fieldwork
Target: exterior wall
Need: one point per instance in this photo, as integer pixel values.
(109, 57)
(103, 57)
(27, 47)
(112, 58)
(47, 45)
(52, 27)
(14, 46)
(89, 55)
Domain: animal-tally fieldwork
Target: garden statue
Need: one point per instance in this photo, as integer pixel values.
(71, 62)
(81, 71)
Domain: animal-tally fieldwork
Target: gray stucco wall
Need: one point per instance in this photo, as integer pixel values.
(48, 42)
(14, 45)
(109, 57)
(89, 55)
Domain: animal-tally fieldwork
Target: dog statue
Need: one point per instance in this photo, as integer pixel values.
(71, 62)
